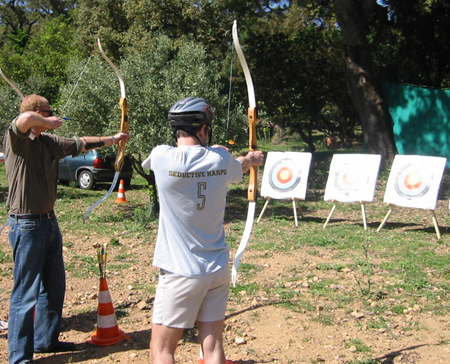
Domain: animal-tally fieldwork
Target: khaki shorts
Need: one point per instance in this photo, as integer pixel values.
(181, 301)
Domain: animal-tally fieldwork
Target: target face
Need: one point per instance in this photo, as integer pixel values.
(286, 175)
(352, 177)
(413, 180)
(283, 177)
(350, 180)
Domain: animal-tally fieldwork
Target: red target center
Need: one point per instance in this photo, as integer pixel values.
(284, 175)
(350, 178)
(413, 181)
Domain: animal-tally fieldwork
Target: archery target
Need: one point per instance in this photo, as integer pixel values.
(414, 181)
(350, 180)
(352, 177)
(285, 175)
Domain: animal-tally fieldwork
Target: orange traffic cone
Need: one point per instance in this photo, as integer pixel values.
(108, 332)
(121, 193)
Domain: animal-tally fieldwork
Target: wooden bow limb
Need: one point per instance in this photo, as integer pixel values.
(253, 180)
(124, 128)
(14, 87)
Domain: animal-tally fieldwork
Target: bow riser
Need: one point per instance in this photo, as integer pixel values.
(252, 191)
(124, 128)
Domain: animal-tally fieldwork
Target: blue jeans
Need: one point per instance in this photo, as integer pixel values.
(37, 296)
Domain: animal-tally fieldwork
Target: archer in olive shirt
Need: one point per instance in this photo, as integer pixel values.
(32, 168)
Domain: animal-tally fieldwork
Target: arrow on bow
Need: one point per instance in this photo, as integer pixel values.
(124, 128)
(253, 183)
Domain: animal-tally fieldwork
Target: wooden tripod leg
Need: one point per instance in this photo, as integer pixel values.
(435, 223)
(363, 211)
(295, 211)
(263, 209)
(329, 215)
(385, 219)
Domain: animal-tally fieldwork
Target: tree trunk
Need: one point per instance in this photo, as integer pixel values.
(153, 206)
(375, 119)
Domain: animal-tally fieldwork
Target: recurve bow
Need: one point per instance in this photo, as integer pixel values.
(124, 128)
(14, 87)
(253, 181)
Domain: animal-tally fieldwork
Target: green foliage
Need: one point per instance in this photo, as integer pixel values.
(417, 28)
(104, 19)
(176, 48)
(5, 257)
(154, 81)
(40, 66)
(9, 109)
(48, 57)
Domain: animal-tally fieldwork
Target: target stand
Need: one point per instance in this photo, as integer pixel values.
(294, 207)
(363, 212)
(433, 218)
(352, 179)
(285, 178)
(414, 182)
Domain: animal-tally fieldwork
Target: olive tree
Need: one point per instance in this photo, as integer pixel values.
(154, 80)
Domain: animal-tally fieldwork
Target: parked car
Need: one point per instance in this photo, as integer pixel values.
(93, 166)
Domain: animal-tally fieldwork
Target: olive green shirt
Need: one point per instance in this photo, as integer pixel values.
(32, 168)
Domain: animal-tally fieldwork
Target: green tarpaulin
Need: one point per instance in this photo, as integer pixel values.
(421, 119)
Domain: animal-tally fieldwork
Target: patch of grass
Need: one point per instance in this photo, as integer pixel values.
(125, 257)
(314, 252)
(326, 320)
(5, 257)
(148, 288)
(114, 242)
(117, 267)
(321, 288)
(249, 270)
(399, 309)
(359, 346)
(404, 265)
(244, 289)
(378, 322)
(330, 266)
(82, 266)
(295, 305)
(68, 244)
(143, 216)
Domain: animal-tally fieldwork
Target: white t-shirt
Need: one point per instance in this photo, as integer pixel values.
(192, 183)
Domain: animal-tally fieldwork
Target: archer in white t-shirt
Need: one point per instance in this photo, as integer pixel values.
(192, 181)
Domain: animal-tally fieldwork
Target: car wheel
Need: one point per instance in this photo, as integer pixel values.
(85, 180)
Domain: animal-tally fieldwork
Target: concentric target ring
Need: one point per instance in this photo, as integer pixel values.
(283, 176)
(413, 180)
(349, 180)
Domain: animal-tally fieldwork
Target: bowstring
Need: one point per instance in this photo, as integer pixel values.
(78, 80)
(230, 87)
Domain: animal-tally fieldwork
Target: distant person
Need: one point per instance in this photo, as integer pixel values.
(31, 160)
(192, 181)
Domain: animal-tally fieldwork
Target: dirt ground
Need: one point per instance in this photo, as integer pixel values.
(258, 329)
